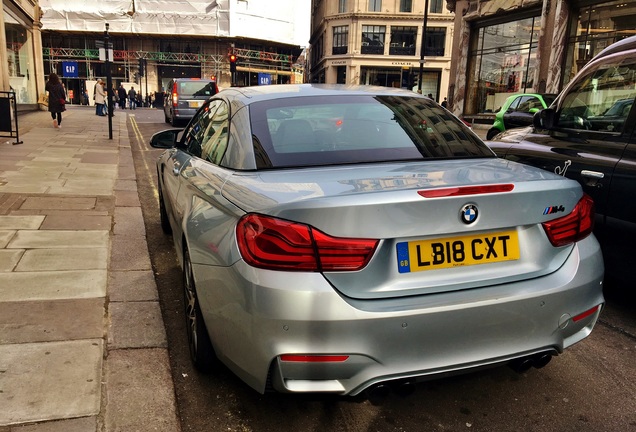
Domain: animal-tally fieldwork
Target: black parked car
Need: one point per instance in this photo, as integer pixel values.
(589, 134)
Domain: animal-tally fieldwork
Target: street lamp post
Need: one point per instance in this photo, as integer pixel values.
(109, 83)
(422, 48)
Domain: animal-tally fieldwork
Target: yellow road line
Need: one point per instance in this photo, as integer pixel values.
(143, 146)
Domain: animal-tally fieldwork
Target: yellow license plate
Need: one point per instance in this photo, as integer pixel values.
(195, 104)
(460, 251)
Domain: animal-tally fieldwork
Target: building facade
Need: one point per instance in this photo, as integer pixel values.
(379, 42)
(504, 47)
(150, 47)
(21, 51)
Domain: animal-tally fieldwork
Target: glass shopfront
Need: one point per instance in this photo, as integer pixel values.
(502, 62)
(595, 27)
(20, 59)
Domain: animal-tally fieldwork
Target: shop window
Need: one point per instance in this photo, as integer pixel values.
(403, 40)
(340, 40)
(406, 5)
(373, 39)
(502, 61)
(594, 28)
(20, 59)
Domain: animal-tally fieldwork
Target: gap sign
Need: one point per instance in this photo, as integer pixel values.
(69, 69)
(264, 79)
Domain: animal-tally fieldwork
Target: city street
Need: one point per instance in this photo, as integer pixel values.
(590, 387)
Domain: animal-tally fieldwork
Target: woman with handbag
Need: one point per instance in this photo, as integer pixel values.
(57, 99)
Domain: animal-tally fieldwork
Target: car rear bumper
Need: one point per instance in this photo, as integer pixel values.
(255, 316)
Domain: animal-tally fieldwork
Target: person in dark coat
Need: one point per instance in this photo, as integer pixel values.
(121, 93)
(57, 99)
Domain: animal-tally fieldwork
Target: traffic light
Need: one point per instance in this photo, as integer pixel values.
(142, 67)
(233, 63)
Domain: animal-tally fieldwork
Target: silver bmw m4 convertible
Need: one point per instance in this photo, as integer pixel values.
(337, 239)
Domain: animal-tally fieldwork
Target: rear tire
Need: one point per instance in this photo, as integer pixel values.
(163, 214)
(492, 133)
(201, 351)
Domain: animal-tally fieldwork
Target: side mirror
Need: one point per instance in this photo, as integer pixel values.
(165, 139)
(545, 119)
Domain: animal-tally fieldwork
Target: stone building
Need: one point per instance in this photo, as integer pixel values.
(21, 51)
(503, 47)
(379, 42)
(150, 46)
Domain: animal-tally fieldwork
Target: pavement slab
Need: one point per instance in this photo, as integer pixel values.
(9, 258)
(134, 325)
(20, 222)
(6, 236)
(83, 424)
(129, 253)
(139, 391)
(52, 285)
(76, 221)
(60, 203)
(132, 286)
(26, 239)
(63, 259)
(51, 320)
(61, 383)
(127, 199)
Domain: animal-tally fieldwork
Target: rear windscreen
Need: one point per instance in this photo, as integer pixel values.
(326, 130)
(197, 88)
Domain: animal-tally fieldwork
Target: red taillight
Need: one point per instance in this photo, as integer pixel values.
(277, 244)
(175, 95)
(573, 227)
(586, 314)
(466, 190)
(313, 358)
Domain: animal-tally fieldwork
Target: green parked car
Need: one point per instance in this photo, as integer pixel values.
(518, 110)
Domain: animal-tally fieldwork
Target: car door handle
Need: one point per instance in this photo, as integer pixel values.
(176, 167)
(592, 174)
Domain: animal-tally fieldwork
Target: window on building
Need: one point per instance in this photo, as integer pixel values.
(342, 6)
(435, 6)
(340, 39)
(373, 39)
(403, 40)
(435, 41)
(599, 25)
(406, 5)
(375, 5)
(502, 59)
(317, 51)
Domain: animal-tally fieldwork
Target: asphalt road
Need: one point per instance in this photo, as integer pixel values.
(590, 387)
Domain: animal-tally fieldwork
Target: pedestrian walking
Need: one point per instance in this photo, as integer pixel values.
(121, 94)
(100, 98)
(445, 103)
(57, 99)
(132, 97)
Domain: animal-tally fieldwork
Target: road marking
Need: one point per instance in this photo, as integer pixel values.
(144, 148)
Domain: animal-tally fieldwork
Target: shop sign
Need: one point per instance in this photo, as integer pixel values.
(69, 69)
(264, 79)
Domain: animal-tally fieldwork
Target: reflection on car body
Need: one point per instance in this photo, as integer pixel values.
(518, 110)
(588, 134)
(334, 239)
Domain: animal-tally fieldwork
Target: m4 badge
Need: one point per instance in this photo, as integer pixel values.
(553, 209)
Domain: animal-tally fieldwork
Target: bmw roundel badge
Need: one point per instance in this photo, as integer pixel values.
(469, 213)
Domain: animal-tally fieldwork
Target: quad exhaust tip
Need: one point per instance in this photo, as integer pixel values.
(537, 361)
